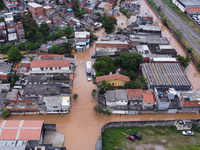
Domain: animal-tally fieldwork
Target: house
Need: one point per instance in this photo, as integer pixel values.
(144, 18)
(91, 16)
(89, 5)
(20, 30)
(82, 40)
(116, 98)
(25, 65)
(28, 131)
(57, 104)
(2, 26)
(168, 75)
(108, 6)
(190, 99)
(5, 70)
(116, 80)
(135, 98)
(185, 4)
(12, 37)
(193, 10)
(101, 6)
(12, 95)
(36, 10)
(11, 5)
(32, 90)
(9, 20)
(48, 10)
(131, 6)
(50, 66)
(148, 100)
(3, 36)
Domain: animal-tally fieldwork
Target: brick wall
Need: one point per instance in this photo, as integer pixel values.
(36, 11)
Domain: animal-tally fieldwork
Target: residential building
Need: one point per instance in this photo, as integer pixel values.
(5, 70)
(89, 5)
(193, 10)
(168, 75)
(135, 99)
(9, 20)
(36, 10)
(131, 6)
(12, 37)
(190, 99)
(3, 36)
(57, 104)
(50, 66)
(11, 5)
(91, 16)
(48, 11)
(116, 80)
(123, 45)
(2, 26)
(20, 30)
(144, 18)
(148, 100)
(108, 6)
(185, 4)
(82, 40)
(102, 6)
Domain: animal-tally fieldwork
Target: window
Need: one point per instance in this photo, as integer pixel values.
(192, 103)
(120, 83)
(36, 14)
(121, 101)
(50, 68)
(59, 67)
(55, 67)
(55, 106)
(35, 8)
(112, 83)
(46, 68)
(42, 68)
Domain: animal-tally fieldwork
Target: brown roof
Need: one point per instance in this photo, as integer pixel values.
(50, 56)
(113, 77)
(148, 97)
(21, 129)
(134, 93)
(50, 63)
(71, 76)
(193, 9)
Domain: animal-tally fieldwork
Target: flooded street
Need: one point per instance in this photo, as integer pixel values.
(82, 125)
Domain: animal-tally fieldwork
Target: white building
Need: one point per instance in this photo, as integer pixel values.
(50, 66)
(185, 4)
(57, 104)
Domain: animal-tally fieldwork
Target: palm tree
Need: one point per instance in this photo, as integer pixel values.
(66, 47)
(104, 86)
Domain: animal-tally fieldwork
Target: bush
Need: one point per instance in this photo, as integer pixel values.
(189, 49)
(164, 20)
(75, 96)
(5, 113)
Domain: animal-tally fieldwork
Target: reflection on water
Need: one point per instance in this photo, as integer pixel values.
(82, 125)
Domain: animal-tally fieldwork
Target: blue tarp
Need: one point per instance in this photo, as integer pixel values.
(69, 9)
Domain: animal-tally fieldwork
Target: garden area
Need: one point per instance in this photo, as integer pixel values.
(153, 138)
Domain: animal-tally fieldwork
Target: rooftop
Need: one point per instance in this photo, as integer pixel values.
(148, 97)
(116, 95)
(57, 100)
(12, 36)
(21, 129)
(102, 4)
(42, 89)
(134, 93)
(91, 16)
(34, 5)
(50, 56)
(50, 63)
(189, 3)
(112, 42)
(193, 9)
(81, 34)
(5, 68)
(113, 77)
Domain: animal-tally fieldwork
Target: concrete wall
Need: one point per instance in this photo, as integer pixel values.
(180, 6)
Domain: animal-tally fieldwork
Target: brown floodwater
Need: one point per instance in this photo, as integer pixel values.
(82, 125)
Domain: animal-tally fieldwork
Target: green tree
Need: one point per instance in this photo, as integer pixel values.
(68, 32)
(104, 86)
(130, 85)
(66, 48)
(4, 48)
(189, 49)
(54, 49)
(128, 15)
(93, 37)
(31, 46)
(164, 20)
(60, 33)
(21, 46)
(79, 13)
(130, 74)
(185, 60)
(14, 54)
(94, 92)
(44, 29)
(75, 5)
(98, 14)
(5, 113)
(110, 24)
(75, 96)
(119, 30)
(57, 2)
(104, 65)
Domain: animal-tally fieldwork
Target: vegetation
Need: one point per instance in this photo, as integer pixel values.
(109, 23)
(185, 60)
(104, 86)
(79, 13)
(15, 78)
(31, 46)
(100, 109)
(165, 136)
(54, 49)
(164, 20)
(119, 30)
(57, 2)
(130, 74)
(14, 54)
(93, 37)
(128, 15)
(75, 96)
(4, 48)
(5, 113)
(123, 11)
(94, 93)
(66, 48)
(189, 49)
(104, 66)
(139, 83)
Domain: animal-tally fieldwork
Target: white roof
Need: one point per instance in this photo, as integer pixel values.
(81, 34)
(9, 19)
(142, 47)
(163, 59)
(12, 36)
(111, 42)
(165, 46)
(47, 7)
(2, 23)
(65, 101)
(102, 4)
(34, 5)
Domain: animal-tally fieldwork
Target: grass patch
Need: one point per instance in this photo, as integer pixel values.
(166, 137)
(182, 14)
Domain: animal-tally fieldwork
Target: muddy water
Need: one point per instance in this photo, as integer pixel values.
(82, 125)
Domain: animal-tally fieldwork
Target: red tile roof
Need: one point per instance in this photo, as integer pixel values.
(148, 97)
(50, 56)
(50, 63)
(193, 9)
(113, 77)
(134, 93)
(21, 129)
(71, 77)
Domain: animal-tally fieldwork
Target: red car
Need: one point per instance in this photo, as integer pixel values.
(130, 137)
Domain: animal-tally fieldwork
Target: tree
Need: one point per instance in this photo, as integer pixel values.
(93, 37)
(54, 49)
(130, 74)
(130, 85)
(110, 24)
(57, 2)
(44, 29)
(104, 65)
(75, 5)
(79, 13)
(21, 46)
(4, 48)
(128, 15)
(164, 20)
(94, 92)
(5, 113)
(14, 54)
(189, 49)
(119, 30)
(185, 60)
(68, 32)
(75, 96)
(66, 48)
(31, 46)
(104, 86)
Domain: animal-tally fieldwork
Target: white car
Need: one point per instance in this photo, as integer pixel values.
(187, 132)
(89, 78)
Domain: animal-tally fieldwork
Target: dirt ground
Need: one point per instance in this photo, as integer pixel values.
(54, 137)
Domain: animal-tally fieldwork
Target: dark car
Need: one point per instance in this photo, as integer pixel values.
(137, 136)
(94, 80)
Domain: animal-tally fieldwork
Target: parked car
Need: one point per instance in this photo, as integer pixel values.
(187, 132)
(89, 78)
(137, 136)
(94, 80)
(130, 137)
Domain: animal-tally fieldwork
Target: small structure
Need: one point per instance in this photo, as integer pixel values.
(185, 4)
(144, 19)
(183, 124)
(116, 80)
(148, 100)
(131, 6)
(5, 70)
(12, 37)
(57, 104)
(82, 40)
(135, 98)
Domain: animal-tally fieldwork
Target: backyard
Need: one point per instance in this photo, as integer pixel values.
(153, 138)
